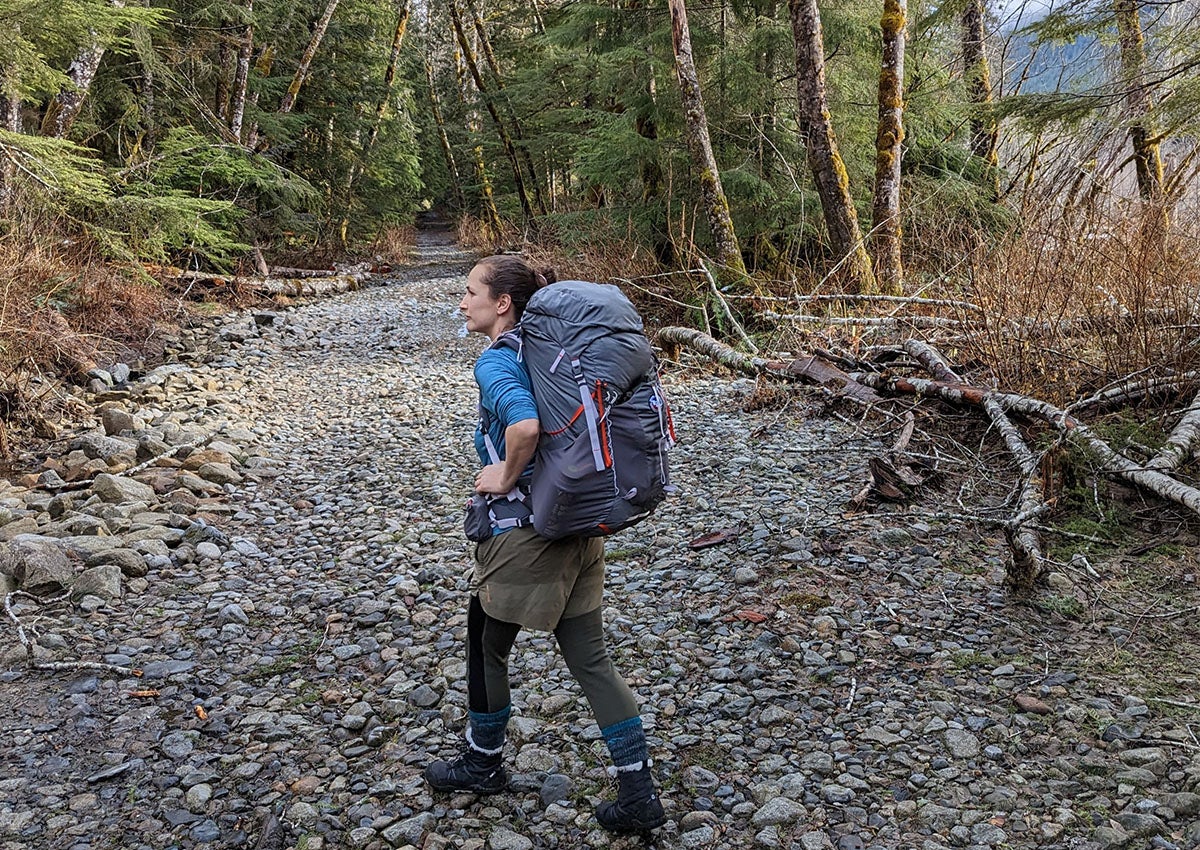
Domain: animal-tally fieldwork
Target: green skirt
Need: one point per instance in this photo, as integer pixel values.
(526, 579)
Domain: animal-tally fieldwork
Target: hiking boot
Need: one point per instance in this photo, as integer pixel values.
(637, 808)
(474, 771)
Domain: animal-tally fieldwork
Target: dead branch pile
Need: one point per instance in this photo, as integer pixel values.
(1010, 414)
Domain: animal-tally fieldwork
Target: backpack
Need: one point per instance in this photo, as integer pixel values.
(601, 462)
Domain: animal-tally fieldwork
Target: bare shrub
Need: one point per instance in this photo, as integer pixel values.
(395, 244)
(1070, 306)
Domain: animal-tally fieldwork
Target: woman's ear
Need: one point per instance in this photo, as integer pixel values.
(503, 304)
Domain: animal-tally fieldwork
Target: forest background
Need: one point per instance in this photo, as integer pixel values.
(1014, 183)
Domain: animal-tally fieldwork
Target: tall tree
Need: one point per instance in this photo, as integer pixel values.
(314, 43)
(485, 45)
(885, 211)
(65, 107)
(487, 201)
(977, 73)
(716, 206)
(1138, 101)
(816, 126)
(241, 74)
(439, 123)
(510, 151)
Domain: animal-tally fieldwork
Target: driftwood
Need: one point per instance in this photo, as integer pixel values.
(866, 321)
(294, 287)
(813, 368)
(1112, 461)
(1181, 442)
(1132, 389)
(52, 666)
(1019, 531)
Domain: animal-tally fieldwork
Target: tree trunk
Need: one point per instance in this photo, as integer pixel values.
(226, 59)
(65, 107)
(984, 129)
(505, 140)
(435, 108)
(885, 212)
(389, 77)
(306, 58)
(1138, 102)
(716, 207)
(829, 171)
(489, 56)
(10, 112)
(241, 75)
(487, 203)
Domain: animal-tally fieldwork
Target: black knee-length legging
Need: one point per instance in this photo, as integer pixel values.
(581, 641)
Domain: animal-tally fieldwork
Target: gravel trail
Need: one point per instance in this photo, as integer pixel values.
(818, 680)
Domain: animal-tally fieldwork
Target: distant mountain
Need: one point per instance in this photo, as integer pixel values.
(1053, 67)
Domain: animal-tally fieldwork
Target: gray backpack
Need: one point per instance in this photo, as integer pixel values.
(601, 462)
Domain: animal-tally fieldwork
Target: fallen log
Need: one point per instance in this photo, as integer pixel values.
(293, 287)
(1184, 437)
(813, 368)
(1018, 531)
(1136, 388)
(1111, 461)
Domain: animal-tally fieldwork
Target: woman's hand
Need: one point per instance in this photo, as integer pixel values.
(493, 479)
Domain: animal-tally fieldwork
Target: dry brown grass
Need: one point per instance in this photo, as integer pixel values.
(395, 244)
(62, 310)
(1071, 307)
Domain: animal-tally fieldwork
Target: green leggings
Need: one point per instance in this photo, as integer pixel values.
(581, 641)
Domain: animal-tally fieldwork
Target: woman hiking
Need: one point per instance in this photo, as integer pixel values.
(522, 580)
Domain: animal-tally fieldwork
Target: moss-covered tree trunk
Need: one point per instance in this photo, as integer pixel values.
(1138, 104)
(485, 46)
(439, 122)
(885, 212)
(510, 151)
(976, 73)
(716, 207)
(241, 74)
(487, 202)
(226, 58)
(64, 108)
(828, 169)
(306, 58)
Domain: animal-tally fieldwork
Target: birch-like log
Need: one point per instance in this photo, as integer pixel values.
(1184, 437)
(1111, 461)
(1022, 537)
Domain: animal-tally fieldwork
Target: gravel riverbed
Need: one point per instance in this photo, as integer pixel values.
(289, 576)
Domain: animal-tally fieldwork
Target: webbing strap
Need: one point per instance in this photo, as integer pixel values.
(493, 455)
(592, 416)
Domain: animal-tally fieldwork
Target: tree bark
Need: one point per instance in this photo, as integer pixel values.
(984, 130)
(435, 108)
(306, 58)
(885, 213)
(1138, 103)
(716, 207)
(67, 104)
(828, 169)
(505, 140)
(226, 62)
(241, 75)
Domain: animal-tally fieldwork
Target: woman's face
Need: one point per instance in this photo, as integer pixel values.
(484, 313)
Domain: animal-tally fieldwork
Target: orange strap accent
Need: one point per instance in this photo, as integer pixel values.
(578, 413)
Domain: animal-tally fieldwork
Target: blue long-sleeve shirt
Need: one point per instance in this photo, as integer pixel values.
(506, 394)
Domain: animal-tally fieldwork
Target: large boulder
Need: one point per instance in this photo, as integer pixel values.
(103, 581)
(37, 565)
(112, 488)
